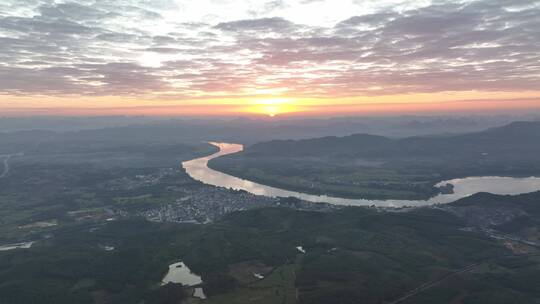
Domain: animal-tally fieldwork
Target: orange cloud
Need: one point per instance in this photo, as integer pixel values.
(284, 107)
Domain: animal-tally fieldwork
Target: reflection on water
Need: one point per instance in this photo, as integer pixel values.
(198, 169)
(180, 273)
(25, 245)
(199, 293)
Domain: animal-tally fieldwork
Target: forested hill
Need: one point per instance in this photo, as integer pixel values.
(517, 137)
(517, 215)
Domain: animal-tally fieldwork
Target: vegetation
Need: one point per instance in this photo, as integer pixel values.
(482, 249)
(351, 255)
(68, 181)
(376, 167)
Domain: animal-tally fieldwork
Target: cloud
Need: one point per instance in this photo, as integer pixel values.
(175, 49)
(254, 25)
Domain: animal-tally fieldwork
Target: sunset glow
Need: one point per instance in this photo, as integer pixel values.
(273, 58)
(272, 106)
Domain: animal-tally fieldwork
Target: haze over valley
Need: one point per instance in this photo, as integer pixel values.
(270, 152)
(114, 203)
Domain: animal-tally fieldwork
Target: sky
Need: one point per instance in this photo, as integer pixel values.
(277, 57)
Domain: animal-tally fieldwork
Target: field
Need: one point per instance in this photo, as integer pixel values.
(107, 221)
(356, 253)
(376, 167)
(337, 177)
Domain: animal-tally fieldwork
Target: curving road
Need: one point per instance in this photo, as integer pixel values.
(7, 157)
(6, 165)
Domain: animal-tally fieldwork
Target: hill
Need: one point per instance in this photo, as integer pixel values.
(517, 216)
(354, 255)
(376, 167)
(522, 136)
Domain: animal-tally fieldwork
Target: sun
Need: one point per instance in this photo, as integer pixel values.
(271, 110)
(272, 107)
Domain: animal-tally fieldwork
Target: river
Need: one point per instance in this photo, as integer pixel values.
(198, 169)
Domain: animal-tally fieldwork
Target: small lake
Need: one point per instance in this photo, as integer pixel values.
(198, 169)
(7, 247)
(199, 293)
(180, 273)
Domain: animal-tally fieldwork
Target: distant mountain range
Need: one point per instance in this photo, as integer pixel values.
(377, 167)
(516, 140)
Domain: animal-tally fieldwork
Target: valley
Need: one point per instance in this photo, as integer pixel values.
(269, 152)
(378, 168)
(100, 222)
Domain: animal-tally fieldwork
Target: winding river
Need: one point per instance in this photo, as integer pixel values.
(198, 169)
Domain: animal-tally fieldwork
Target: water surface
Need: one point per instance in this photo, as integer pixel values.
(463, 187)
(7, 247)
(180, 273)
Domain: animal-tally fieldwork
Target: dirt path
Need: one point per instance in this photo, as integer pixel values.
(457, 272)
(7, 157)
(6, 165)
(430, 284)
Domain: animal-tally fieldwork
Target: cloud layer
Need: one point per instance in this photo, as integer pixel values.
(227, 48)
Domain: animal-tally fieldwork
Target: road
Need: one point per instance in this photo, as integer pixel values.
(457, 272)
(428, 285)
(7, 157)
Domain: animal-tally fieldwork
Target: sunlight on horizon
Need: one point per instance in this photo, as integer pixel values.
(273, 107)
(270, 58)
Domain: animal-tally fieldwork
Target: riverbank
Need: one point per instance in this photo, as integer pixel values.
(463, 187)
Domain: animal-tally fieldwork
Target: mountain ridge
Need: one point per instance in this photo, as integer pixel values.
(523, 135)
